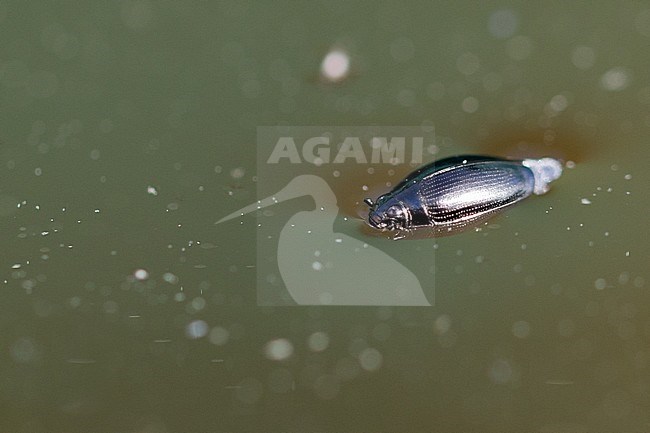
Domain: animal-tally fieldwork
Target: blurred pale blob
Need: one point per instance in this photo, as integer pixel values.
(615, 79)
(583, 57)
(335, 66)
(196, 329)
(502, 24)
(318, 341)
(219, 336)
(279, 349)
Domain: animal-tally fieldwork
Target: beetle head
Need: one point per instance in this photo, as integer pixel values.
(387, 214)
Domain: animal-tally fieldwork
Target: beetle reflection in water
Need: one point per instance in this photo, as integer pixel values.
(460, 191)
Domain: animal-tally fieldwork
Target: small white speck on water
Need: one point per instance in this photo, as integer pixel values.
(600, 284)
(152, 190)
(141, 274)
(96, 210)
(628, 176)
(335, 66)
(585, 201)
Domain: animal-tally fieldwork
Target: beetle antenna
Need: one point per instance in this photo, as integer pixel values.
(369, 202)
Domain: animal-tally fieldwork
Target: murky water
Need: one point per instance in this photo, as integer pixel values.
(129, 129)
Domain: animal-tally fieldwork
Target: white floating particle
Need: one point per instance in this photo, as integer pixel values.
(141, 274)
(317, 266)
(279, 349)
(585, 201)
(628, 176)
(600, 284)
(152, 190)
(16, 266)
(335, 66)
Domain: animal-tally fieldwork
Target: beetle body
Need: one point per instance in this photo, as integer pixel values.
(459, 190)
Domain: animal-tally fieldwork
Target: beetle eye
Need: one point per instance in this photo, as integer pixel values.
(393, 212)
